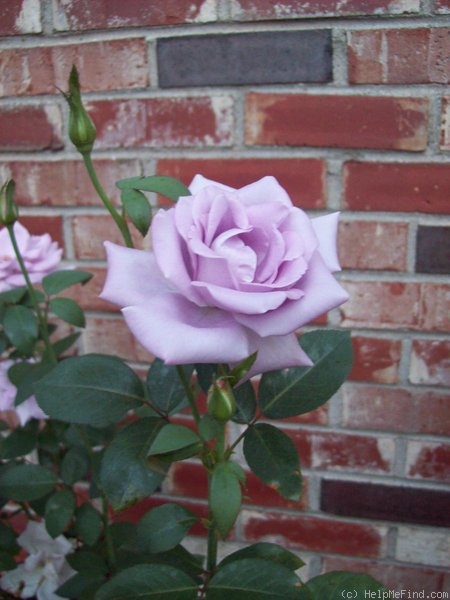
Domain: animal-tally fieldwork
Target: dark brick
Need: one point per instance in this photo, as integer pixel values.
(433, 250)
(247, 58)
(387, 502)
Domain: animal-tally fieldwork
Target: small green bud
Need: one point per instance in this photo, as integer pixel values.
(221, 402)
(9, 212)
(82, 131)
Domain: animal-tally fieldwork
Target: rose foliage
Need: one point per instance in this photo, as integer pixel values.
(231, 277)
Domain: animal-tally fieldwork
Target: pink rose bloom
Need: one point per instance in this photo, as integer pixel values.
(29, 409)
(230, 272)
(40, 254)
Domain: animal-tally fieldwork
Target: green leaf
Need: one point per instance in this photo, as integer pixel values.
(21, 327)
(74, 465)
(267, 551)
(59, 510)
(88, 563)
(246, 403)
(209, 428)
(206, 373)
(173, 437)
(65, 343)
(88, 523)
(26, 482)
(273, 457)
(149, 582)
(13, 296)
(18, 443)
(92, 390)
(80, 586)
(255, 579)
(137, 207)
(68, 310)
(167, 186)
(163, 528)
(60, 280)
(224, 496)
(24, 376)
(125, 474)
(165, 388)
(334, 585)
(7, 562)
(8, 539)
(298, 390)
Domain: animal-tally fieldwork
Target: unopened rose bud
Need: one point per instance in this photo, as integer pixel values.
(221, 402)
(82, 131)
(9, 213)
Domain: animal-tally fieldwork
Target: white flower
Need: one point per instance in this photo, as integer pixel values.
(45, 568)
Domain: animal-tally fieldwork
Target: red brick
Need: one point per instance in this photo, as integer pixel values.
(442, 6)
(171, 122)
(373, 245)
(314, 534)
(396, 305)
(87, 295)
(394, 577)
(409, 187)
(445, 123)
(376, 359)
(109, 65)
(112, 336)
(430, 362)
(319, 416)
(351, 452)
(302, 178)
(20, 16)
(291, 9)
(428, 460)
(30, 128)
(77, 15)
(337, 121)
(395, 409)
(412, 56)
(90, 231)
(38, 225)
(65, 183)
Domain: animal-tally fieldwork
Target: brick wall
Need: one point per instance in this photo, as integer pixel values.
(347, 103)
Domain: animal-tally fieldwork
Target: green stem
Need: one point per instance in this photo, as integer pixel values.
(111, 554)
(189, 393)
(120, 222)
(211, 555)
(34, 301)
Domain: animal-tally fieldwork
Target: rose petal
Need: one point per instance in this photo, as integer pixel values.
(321, 293)
(326, 229)
(242, 302)
(132, 276)
(263, 190)
(279, 352)
(199, 182)
(180, 332)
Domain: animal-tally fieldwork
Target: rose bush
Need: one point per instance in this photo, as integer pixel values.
(40, 254)
(231, 272)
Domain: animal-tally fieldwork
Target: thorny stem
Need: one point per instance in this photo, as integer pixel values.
(120, 221)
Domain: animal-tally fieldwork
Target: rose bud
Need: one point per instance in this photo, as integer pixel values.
(9, 212)
(82, 131)
(221, 402)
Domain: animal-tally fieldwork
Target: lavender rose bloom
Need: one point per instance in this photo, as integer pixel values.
(40, 254)
(231, 272)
